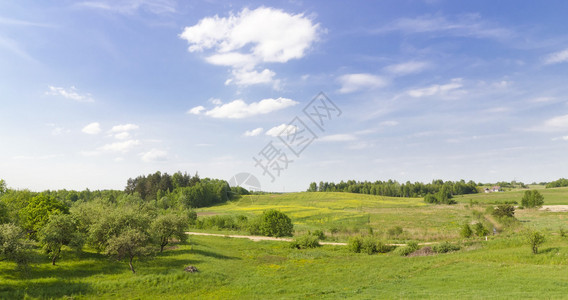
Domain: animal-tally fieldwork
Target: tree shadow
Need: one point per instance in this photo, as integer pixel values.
(549, 250)
(213, 254)
(44, 290)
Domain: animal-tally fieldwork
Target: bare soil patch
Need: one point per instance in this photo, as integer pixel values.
(554, 208)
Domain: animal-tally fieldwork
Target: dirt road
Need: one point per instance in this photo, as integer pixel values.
(257, 238)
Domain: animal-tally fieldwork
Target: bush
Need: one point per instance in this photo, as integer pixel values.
(354, 244)
(445, 247)
(406, 250)
(275, 223)
(369, 245)
(562, 232)
(532, 198)
(480, 230)
(466, 231)
(319, 234)
(305, 242)
(395, 231)
(504, 211)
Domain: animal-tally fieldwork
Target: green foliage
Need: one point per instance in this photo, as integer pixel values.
(113, 222)
(504, 211)
(129, 244)
(480, 230)
(319, 234)
(534, 238)
(166, 227)
(36, 213)
(305, 242)
(406, 250)
(207, 192)
(443, 196)
(562, 182)
(60, 230)
(445, 247)
(395, 231)
(466, 231)
(532, 198)
(355, 243)
(562, 232)
(13, 245)
(275, 223)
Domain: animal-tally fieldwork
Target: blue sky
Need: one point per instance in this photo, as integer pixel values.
(95, 92)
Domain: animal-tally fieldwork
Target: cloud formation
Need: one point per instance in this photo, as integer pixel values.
(354, 82)
(70, 93)
(254, 132)
(249, 38)
(239, 109)
(92, 128)
(437, 89)
(557, 57)
(406, 68)
(154, 155)
(282, 130)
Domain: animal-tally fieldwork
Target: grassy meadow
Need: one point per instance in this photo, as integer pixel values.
(502, 267)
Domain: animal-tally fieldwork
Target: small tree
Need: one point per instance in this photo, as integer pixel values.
(466, 231)
(480, 230)
(535, 239)
(129, 244)
(532, 198)
(275, 223)
(60, 230)
(166, 227)
(13, 245)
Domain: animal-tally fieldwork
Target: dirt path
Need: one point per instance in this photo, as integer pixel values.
(257, 238)
(555, 208)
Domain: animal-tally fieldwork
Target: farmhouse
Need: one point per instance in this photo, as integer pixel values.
(493, 189)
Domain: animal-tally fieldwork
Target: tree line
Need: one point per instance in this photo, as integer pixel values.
(393, 188)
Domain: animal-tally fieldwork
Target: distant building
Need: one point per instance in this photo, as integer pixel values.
(493, 189)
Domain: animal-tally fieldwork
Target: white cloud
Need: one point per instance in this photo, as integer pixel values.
(389, 123)
(354, 82)
(124, 127)
(249, 38)
(122, 147)
(93, 128)
(70, 93)
(216, 101)
(238, 109)
(557, 57)
(437, 90)
(468, 25)
(281, 130)
(154, 155)
(556, 123)
(132, 6)
(122, 135)
(542, 99)
(338, 138)
(408, 67)
(254, 132)
(196, 110)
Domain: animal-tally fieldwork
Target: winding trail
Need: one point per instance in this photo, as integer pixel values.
(257, 238)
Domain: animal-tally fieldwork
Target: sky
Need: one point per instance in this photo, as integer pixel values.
(95, 92)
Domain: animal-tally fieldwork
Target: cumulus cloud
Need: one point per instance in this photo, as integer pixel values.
(254, 132)
(92, 128)
(557, 57)
(196, 110)
(249, 38)
(154, 155)
(437, 89)
(406, 68)
(70, 93)
(239, 109)
(281, 130)
(338, 138)
(354, 82)
(121, 147)
(123, 128)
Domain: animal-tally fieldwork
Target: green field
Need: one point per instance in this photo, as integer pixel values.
(502, 267)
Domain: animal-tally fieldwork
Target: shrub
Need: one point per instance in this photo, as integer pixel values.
(275, 223)
(466, 231)
(409, 248)
(532, 198)
(562, 232)
(480, 230)
(305, 242)
(395, 231)
(354, 244)
(445, 247)
(383, 248)
(319, 234)
(504, 211)
(369, 245)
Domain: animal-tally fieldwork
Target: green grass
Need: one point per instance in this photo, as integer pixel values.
(235, 268)
(502, 267)
(553, 196)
